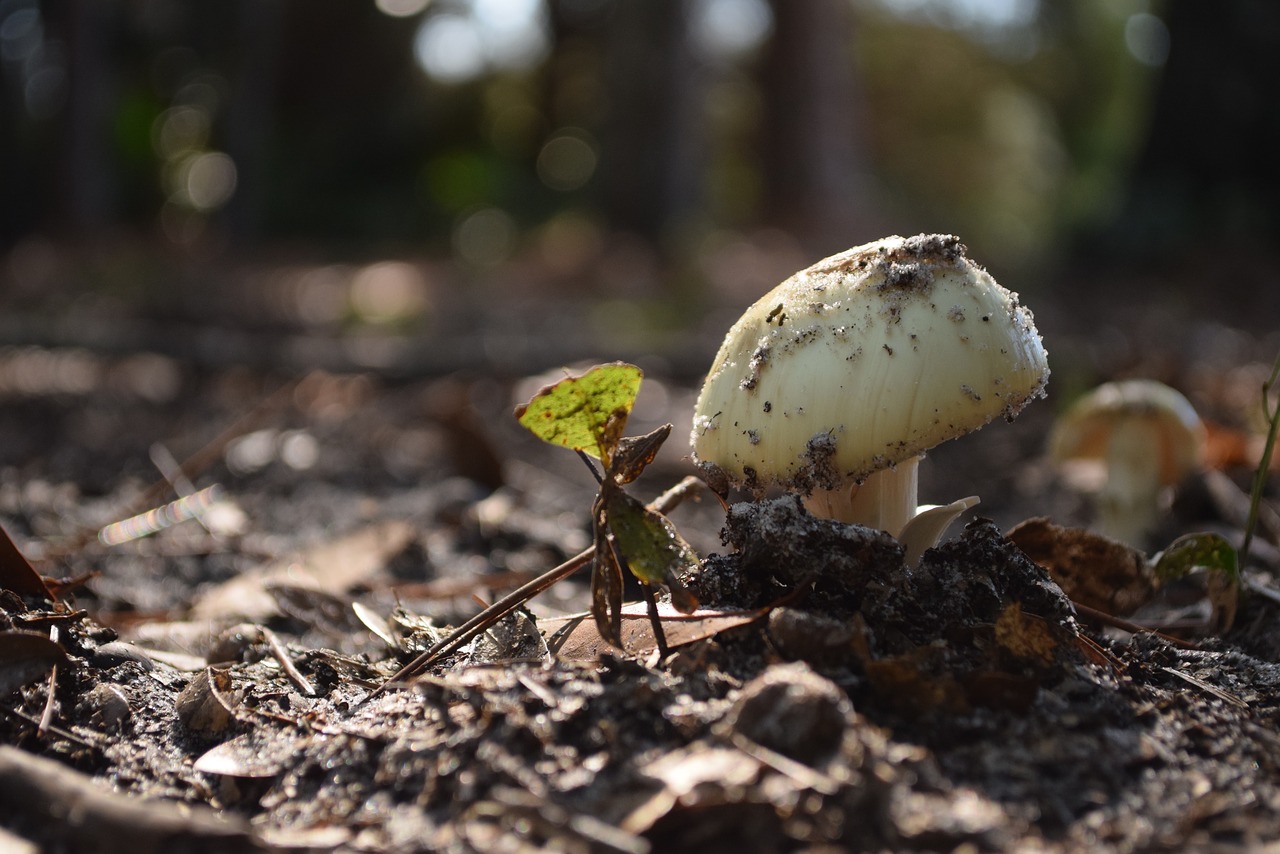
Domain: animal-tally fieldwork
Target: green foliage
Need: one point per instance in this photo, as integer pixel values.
(1214, 555)
(1272, 413)
(587, 414)
(1193, 551)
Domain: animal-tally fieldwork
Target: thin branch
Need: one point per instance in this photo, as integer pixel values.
(664, 503)
(1264, 463)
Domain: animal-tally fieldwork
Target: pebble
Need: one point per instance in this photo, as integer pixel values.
(115, 653)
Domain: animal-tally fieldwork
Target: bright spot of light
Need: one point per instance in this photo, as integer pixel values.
(456, 47)
(299, 450)
(1147, 39)
(485, 237)
(388, 291)
(567, 161)
(210, 180)
(401, 8)
(514, 31)
(726, 28)
(450, 49)
(968, 14)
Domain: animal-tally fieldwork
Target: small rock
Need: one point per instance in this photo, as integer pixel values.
(793, 711)
(808, 636)
(115, 653)
(110, 707)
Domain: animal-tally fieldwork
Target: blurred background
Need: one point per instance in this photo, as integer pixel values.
(442, 203)
(426, 186)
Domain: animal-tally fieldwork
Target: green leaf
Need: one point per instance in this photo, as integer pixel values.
(586, 413)
(650, 545)
(1190, 551)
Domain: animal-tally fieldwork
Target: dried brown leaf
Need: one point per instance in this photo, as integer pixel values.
(580, 642)
(26, 657)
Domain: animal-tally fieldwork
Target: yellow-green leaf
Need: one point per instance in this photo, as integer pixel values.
(650, 545)
(586, 413)
(1190, 551)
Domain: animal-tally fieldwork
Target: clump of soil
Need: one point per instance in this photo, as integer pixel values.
(872, 705)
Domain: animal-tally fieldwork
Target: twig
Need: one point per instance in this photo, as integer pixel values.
(286, 663)
(664, 503)
(46, 716)
(655, 622)
(52, 729)
(1125, 625)
(1226, 696)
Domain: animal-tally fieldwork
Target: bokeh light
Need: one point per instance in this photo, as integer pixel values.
(567, 160)
(401, 8)
(456, 47)
(389, 292)
(729, 28)
(210, 180)
(450, 49)
(1147, 39)
(484, 237)
(179, 130)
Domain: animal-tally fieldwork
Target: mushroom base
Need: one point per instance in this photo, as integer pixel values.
(885, 500)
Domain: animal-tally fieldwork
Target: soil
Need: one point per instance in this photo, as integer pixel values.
(221, 683)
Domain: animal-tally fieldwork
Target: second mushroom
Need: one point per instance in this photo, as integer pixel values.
(836, 382)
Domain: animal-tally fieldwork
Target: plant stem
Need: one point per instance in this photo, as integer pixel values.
(1264, 462)
(664, 503)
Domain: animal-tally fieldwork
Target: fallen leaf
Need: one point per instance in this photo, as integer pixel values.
(202, 706)
(26, 657)
(252, 755)
(1025, 636)
(1091, 569)
(17, 573)
(581, 642)
(332, 567)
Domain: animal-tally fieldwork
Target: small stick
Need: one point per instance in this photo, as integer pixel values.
(480, 622)
(52, 729)
(655, 622)
(46, 716)
(1125, 625)
(286, 664)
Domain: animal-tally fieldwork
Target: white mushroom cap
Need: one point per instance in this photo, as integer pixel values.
(1147, 435)
(866, 359)
(1171, 431)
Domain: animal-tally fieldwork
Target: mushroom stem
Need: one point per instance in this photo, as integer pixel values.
(1129, 504)
(885, 500)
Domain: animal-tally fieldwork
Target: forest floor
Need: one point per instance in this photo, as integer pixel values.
(215, 684)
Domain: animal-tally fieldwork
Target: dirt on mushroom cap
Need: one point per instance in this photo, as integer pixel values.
(887, 349)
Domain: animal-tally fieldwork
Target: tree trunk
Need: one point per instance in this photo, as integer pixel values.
(653, 150)
(816, 172)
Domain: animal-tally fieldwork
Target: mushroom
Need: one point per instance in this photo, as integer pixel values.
(838, 380)
(1146, 434)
